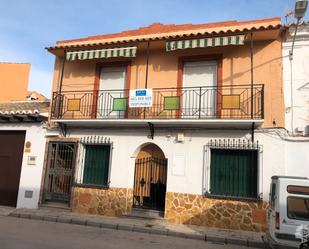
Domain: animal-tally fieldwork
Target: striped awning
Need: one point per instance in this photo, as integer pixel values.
(205, 42)
(101, 53)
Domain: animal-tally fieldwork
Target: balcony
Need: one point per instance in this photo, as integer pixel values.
(229, 103)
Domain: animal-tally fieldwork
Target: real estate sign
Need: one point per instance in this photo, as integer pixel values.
(140, 98)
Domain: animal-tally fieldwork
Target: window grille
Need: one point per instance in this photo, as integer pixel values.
(94, 161)
(233, 168)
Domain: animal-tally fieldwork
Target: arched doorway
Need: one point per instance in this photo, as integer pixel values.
(150, 178)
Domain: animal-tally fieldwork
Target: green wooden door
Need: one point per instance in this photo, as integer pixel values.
(233, 173)
(96, 165)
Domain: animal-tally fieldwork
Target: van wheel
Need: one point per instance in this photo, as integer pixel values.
(304, 246)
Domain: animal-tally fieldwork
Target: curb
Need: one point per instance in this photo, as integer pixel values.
(141, 229)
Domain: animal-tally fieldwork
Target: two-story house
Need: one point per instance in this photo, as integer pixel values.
(164, 118)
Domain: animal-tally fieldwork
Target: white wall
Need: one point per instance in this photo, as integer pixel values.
(300, 72)
(297, 159)
(275, 157)
(30, 178)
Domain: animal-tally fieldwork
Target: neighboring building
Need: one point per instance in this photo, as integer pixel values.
(300, 78)
(22, 145)
(14, 78)
(189, 143)
(22, 137)
(14, 81)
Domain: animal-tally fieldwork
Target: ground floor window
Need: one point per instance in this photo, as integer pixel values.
(233, 171)
(96, 165)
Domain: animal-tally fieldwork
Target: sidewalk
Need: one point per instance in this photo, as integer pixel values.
(150, 226)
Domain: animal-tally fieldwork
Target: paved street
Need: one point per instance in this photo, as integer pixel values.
(31, 234)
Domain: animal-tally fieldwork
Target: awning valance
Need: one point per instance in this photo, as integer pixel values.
(205, 42)
(101, 53)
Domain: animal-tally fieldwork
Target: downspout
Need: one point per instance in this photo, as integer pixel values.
(60, 81)
(251, 70)
(146, 79)
(61, 73)
(147, 65)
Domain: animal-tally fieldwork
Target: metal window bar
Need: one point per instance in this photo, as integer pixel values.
(91, 140)
(233, 186)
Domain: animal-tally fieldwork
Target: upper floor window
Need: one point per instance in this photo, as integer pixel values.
(200, 84)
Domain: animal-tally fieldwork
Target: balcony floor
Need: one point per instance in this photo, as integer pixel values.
(168, 123)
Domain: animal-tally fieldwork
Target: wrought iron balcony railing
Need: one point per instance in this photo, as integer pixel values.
(224, 102)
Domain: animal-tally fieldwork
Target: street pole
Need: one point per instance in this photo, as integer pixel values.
(291, 76)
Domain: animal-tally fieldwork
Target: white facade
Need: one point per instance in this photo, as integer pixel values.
(300, 78)
(31, 172)
(188, 161)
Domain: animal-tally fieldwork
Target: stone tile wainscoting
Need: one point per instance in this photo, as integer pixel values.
(109, 201)
(200, 210)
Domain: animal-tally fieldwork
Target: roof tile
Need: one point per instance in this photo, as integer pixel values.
(25, 107)
(156, 30)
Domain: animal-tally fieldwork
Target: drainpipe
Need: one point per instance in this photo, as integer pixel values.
(147, 62)
(251, 69)
(251, 62)
(146, 79)
(60, 80)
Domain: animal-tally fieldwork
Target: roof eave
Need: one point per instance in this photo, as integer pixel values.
(158, 38)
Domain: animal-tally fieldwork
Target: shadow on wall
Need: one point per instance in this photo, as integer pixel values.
(228, 214)
(236, 75)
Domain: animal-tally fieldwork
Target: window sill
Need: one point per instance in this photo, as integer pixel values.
(234, 198)
(81, 185)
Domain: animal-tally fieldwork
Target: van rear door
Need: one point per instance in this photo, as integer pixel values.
(273, 198)
(294, 207)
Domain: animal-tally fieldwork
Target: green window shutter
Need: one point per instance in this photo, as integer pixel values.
(233, 173)
(96, 165)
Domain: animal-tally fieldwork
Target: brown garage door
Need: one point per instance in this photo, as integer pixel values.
(11, 154)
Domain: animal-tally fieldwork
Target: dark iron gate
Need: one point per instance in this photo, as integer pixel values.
(60, 168)
(150, 183)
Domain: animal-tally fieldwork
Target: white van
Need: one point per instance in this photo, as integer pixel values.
(288, 214)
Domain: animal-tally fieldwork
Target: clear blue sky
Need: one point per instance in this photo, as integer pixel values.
(28, 26)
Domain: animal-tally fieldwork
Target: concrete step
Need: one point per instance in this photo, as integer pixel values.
(55, 205)
(146, 214)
